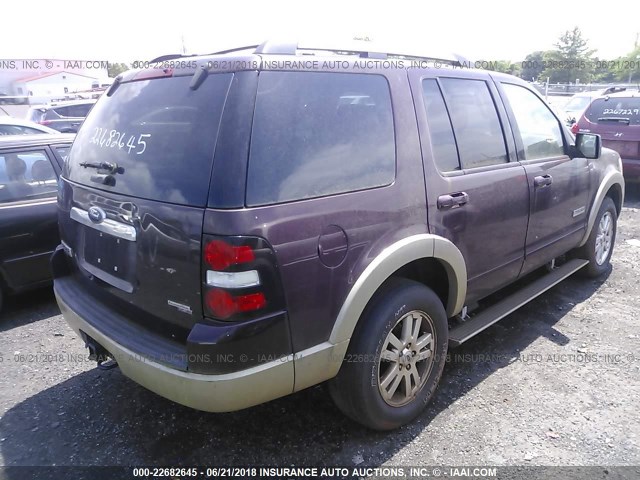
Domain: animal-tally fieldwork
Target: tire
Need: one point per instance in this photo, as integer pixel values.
(367, 372)
(599, 246)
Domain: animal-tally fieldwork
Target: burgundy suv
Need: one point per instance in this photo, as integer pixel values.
(616, 118)
(244, 225)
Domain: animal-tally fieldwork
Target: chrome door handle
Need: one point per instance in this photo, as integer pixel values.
(543, 181)
(452, 200)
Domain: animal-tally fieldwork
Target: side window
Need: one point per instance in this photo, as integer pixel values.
(9, 130)
(83, 109)
(63, 111)
(317, 134)
(475, 122)
(78, 110)
(63, 152)
(26, 176)
(18, 130)
(539, 128)
(442, 140)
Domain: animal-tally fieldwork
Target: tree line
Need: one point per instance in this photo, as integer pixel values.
(573, 60)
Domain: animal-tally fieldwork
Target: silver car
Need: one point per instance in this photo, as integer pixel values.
(16, 126)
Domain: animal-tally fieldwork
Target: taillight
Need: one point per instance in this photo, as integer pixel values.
(575, 128)
(223, 305)
(219, 255)
(45, 122)
(240, 278)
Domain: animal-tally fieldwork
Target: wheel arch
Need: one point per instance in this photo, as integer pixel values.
(611, 186)
(399, 259)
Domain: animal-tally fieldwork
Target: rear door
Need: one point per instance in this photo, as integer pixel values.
(134, 191)
(477, 192)
(28, 221)
(559, 185)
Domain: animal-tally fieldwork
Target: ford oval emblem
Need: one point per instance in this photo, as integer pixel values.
(97, 215)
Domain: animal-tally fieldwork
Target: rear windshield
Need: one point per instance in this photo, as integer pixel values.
(317, 134)
(615, 109)
(577, 104)
(159, 133)
(36, 115)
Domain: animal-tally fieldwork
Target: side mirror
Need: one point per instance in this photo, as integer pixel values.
(589, 145)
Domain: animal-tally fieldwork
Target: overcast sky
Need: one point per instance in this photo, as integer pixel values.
(117, 30)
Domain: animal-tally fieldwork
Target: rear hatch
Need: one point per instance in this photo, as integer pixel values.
(617, 120)
(133, 196)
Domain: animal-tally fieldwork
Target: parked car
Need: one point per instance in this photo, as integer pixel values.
(579, 102)
(231, 235)
(566, 117)
(29, 167)
(17, 126)
(65, 117)
(616, 118)
(13, 100)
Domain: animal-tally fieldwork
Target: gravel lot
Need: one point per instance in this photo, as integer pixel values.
(556, 383)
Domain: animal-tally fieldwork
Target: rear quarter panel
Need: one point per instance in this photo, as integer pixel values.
(370, 219)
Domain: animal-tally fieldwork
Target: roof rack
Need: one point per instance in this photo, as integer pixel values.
(292, 48)
(171, 56)
(237, 49)
(615, 89)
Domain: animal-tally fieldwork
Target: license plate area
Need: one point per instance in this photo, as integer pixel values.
(107, 253)
(111, 259)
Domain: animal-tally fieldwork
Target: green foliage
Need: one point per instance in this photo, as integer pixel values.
(532, 66)
(570, 61)
(504, 66)
(116, 69)
(627, 68)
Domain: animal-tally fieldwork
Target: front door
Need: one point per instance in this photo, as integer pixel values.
(559, 184)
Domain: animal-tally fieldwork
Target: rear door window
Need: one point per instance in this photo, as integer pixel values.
(159, 133)
(442, 140)
(615, 109)
(475, 122)
(26, 175)
(318, 134)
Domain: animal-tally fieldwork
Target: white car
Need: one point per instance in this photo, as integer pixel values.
(579, 102)
(17, 126)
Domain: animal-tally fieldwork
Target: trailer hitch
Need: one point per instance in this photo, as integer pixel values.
(98, 353)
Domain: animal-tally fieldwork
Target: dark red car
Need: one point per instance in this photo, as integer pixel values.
(242, 226)
(616, 118)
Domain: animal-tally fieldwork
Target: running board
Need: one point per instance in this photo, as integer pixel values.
(492, 314)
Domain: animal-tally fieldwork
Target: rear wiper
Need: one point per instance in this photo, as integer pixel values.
(106, 166)
(614, 119)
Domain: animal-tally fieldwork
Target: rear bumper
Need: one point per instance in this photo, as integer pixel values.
(212, 393)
